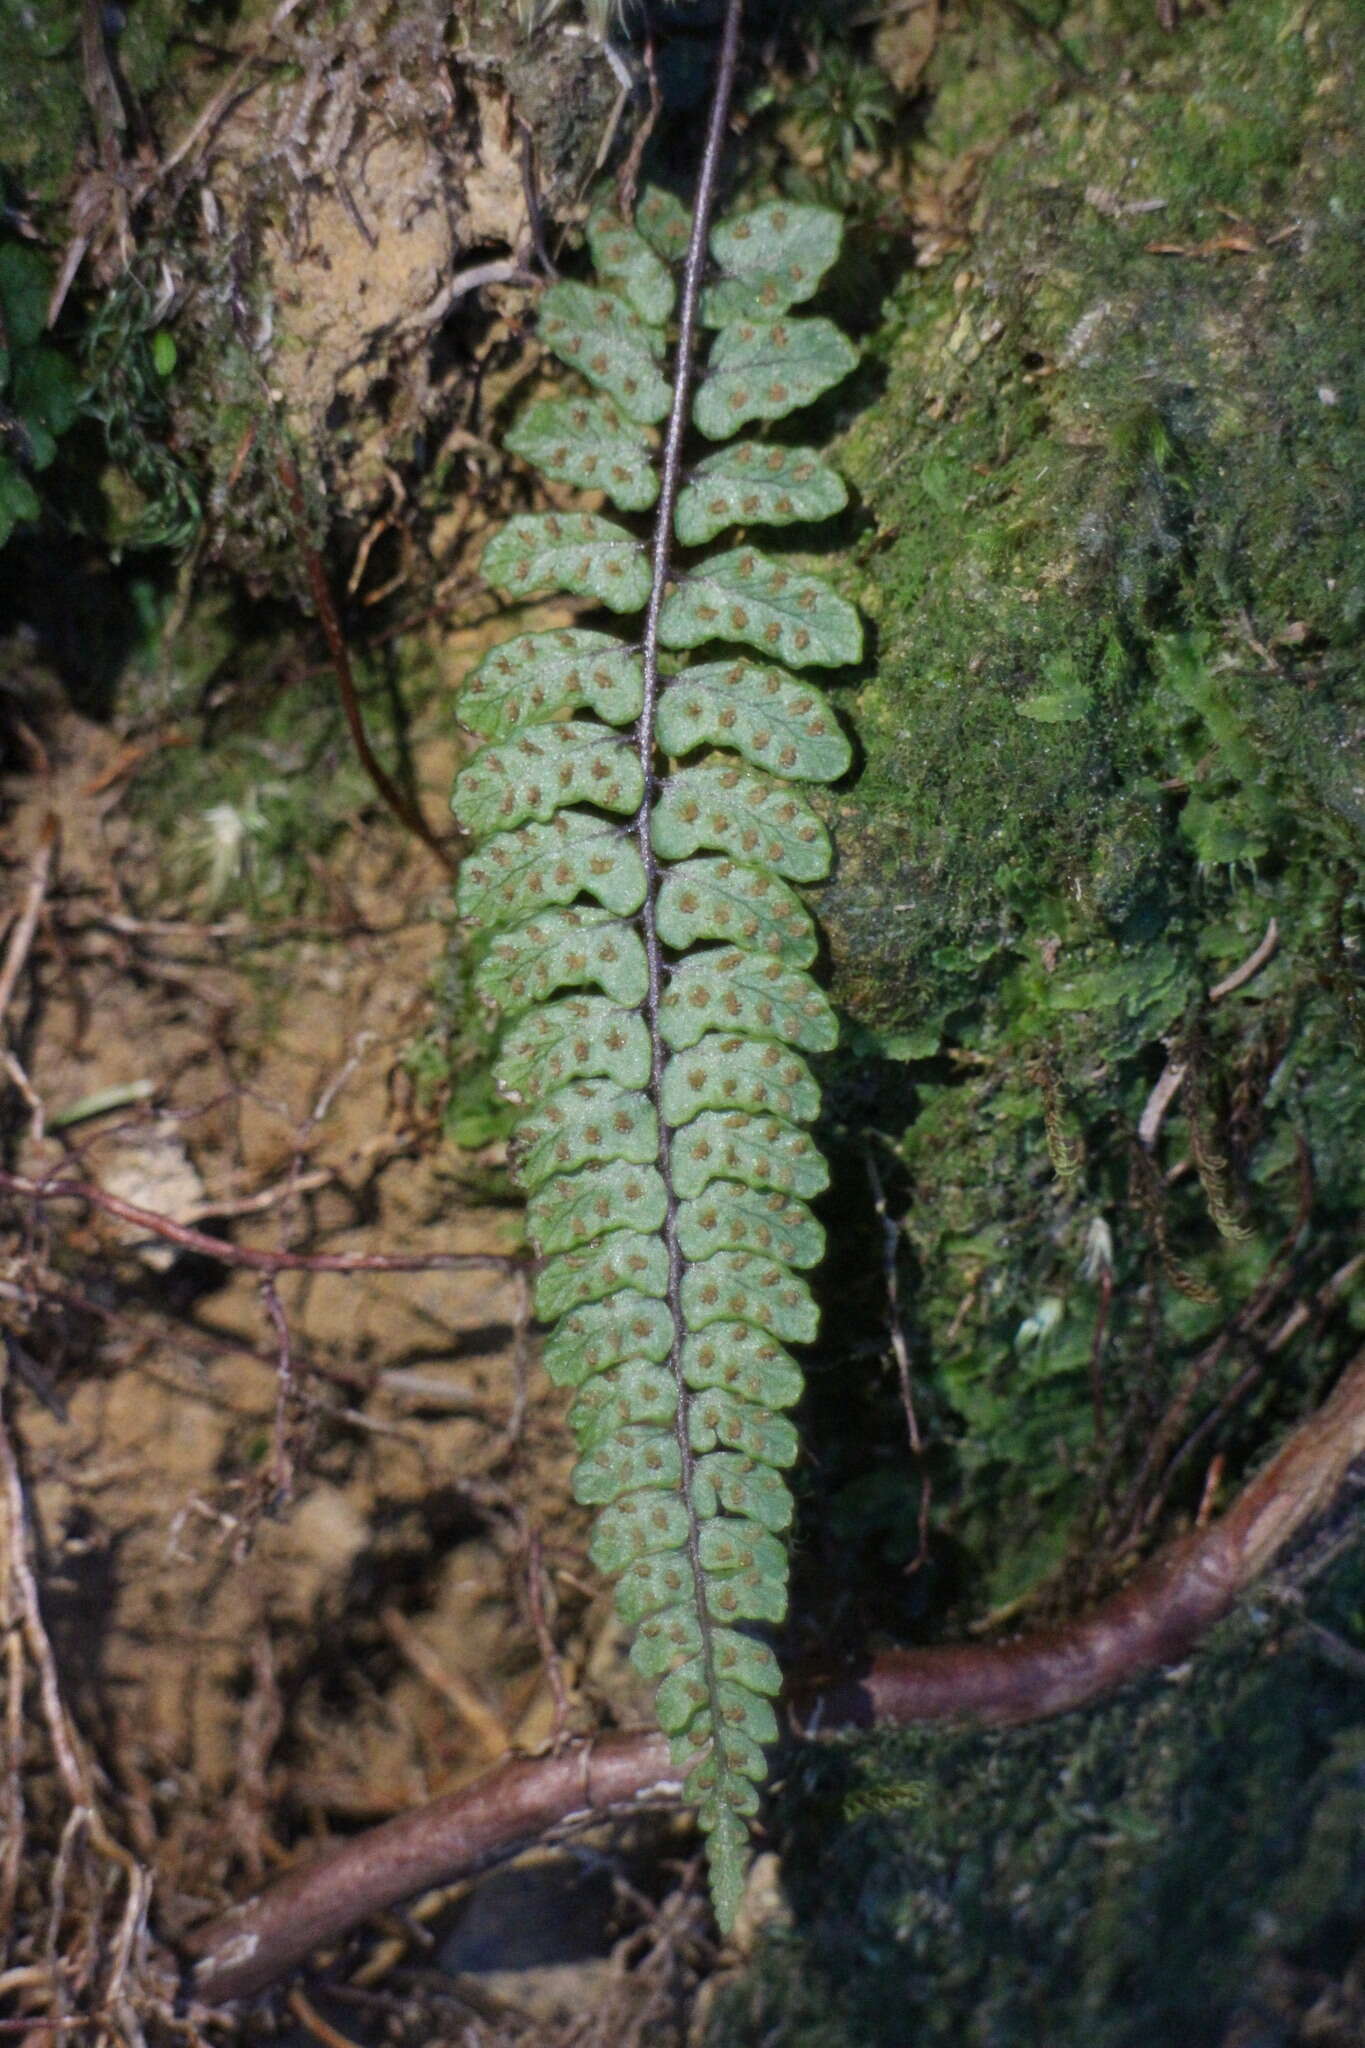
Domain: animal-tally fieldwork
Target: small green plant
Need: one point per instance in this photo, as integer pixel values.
(131, 360)
(844, 106)
(39, 390)
(637, 834)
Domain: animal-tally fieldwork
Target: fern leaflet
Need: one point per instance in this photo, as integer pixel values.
(637, 835)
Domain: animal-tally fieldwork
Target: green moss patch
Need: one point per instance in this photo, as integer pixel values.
(1115, 557)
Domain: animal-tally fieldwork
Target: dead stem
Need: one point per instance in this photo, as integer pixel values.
(891, 1236)
(461, 1695)
(282, 1456)
(549, 1655)
(16, 953)
(249, 1256)
(73, 1957)
(403, 807)
(1171, 1078)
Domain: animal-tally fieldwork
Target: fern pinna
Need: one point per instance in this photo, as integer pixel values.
(636, 834)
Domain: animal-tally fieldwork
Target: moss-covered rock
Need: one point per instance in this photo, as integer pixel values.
(1185, 1864)
(1117, 480)
(1115, 555)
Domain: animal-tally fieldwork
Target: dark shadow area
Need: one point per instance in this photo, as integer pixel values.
(1132, 1875)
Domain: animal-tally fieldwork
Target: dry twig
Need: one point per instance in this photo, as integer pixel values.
(891, 1235)
(80, 1958)
(404, 808)
(16, 953)
(1172, 1075)
(250, 1256)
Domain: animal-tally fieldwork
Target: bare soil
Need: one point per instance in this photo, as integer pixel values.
(303, 1549)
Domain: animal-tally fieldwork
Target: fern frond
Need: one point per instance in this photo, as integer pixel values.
(638, 833)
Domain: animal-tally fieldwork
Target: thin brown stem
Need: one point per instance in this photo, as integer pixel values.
(545, 1642)
(900, 1348)
(282, 1456)
(16, 952)
(256, 1261)
(1105, 1288)
(402, 806)
(26, 924)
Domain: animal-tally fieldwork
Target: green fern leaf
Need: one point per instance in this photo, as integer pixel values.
(540, 676)
(575, 551)
(722, 899)
(731, 1072)
(734, 1219)
(650, 1599)
(579, 948)
(629, 1262)
(772, 258)
(635, 846)
(603, 1334)
(762, 370)
(587, 1123)
(747, 1661)
(635, 1392)
(621, 254)
(540, 771)
(764, 714)
(751, 1665)
(721, 1792)
(755, 483)
(636, 1461)
(746, 596)
(748, 1596)
(730, 1218)
(733, 1545)
(586, 442)
(667, 1641)
(746, 1363)
(745, 1287)
(641, 1525)
(579, 1208)
(664, 222)
(736, 1753)
(716, 1777)
(758, 1151)
(736, 991)
(513, 874)
(747, 816)
(662, 1584)
(580, 1038)
(602, 338)
(681, 1697)
(722, 1421)
(729, 1482)
(727, 1844)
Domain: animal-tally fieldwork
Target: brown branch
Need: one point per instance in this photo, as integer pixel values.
(402, 806)
(515, 1802)
(16, 952)
(26, 924)
(254, 1260)
(891, 1235)
(1172, 1076)
(1154, 1621)
(549, 1655)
